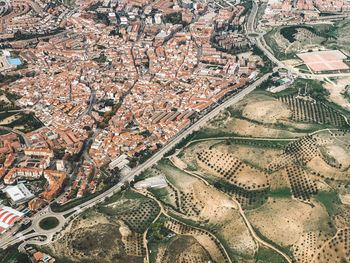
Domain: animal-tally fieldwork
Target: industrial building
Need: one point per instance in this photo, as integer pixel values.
(18, 194)
(8, 217)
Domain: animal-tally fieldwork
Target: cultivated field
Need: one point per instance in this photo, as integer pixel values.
(291, 182)
(265, 180)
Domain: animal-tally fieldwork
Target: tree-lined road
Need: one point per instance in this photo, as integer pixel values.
(156, 157)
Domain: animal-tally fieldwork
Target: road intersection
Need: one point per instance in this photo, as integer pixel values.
(34, 231)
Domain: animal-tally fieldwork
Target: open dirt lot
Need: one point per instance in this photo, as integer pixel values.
(336, 92)
(284, 220)
(267, 111)
(91, 238)
(183, 249)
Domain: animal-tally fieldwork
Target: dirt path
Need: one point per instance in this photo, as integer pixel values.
(254, 138)
(325, 243)
(242, 138)
(189, 172)
(257, 238)
(162, 211)
(246, 221)
(144, 237)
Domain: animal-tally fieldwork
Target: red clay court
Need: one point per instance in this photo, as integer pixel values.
(324, 60)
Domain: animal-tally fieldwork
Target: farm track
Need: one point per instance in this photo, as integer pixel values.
(144, 236)
(256, 237)
(242, 138)
(162, 211)
(247, 223)
(314, 258)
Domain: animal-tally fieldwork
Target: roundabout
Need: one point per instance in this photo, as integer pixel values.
(49, 223)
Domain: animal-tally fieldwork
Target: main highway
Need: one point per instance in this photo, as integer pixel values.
(28, 235)
(152, 160)
(137, 170)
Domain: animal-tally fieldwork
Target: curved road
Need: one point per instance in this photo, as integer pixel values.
(155, 158)
(137, 170)
(26, 141)
(245, 219)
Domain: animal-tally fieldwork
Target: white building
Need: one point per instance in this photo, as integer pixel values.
(60, 165)
(158, 18)
(156, 181)
(18, 194)
(119, 162)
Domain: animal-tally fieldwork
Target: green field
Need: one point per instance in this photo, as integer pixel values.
(49, 223)
(12, 255)
(330, 200)
(267, 255)
(281, 193)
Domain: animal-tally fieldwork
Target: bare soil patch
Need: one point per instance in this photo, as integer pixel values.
(268, 111)
(284, 220)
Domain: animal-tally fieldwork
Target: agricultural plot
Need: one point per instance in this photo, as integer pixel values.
(233, 171)
(213, 245)
(184, 248)
(133, 209)
(173, 241)
(310, 111)
(184, 202)
(289, 189)
(299, 152)
(216, 211)
(181, 195)
(133, 244)
(248, 185)
(262, 114)
(302, 186)
(305, 249)
(284, 221)
(337, 249)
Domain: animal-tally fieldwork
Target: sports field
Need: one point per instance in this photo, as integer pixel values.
(324, 60)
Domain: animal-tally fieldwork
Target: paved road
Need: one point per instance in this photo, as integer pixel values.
(92, 100)
(26, 141)
(137, 170)
(158, 155)
(260, 42)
